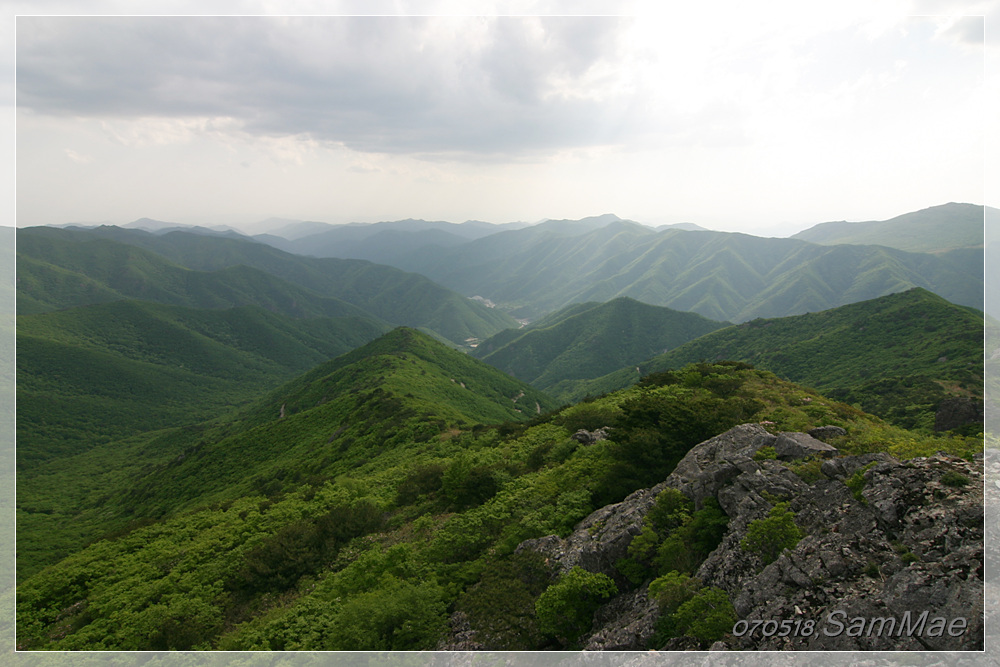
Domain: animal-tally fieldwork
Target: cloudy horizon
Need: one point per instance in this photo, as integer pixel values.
(740, 122)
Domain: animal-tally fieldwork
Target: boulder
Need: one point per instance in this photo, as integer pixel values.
(585, 437)
(791, 446)
(827, 433)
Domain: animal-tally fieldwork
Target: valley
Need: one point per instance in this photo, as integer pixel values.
(226, 445)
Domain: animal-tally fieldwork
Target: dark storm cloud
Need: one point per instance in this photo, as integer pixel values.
(494, 86)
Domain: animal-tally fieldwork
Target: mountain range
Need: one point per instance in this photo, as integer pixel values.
(223, 445)
(935, 229)
(537, 269)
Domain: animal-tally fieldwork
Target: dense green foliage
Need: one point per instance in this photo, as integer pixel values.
(360, 505)
(587, 342)
(566, 608)
(769, 536)
(897, 356)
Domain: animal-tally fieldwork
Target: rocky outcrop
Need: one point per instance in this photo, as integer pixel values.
(956, 412)
(585, 437)
(600, 540)
(791, 446)
(827, 433)
(909, 541)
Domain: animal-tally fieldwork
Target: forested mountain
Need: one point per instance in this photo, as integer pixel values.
(90, 374)
(723, 276)
(401, 389)
(367, 506)
(934, 229)
(900, 356)
(585, 341)
(110, 264)
(226, 446)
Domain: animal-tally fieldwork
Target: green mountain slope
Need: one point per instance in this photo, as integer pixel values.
(403, 389)
(86, 375)
(359, 524)
(898, 356)
(589, 340)
(56, 271)
(390, 294)
(722, 276)
(934, 229)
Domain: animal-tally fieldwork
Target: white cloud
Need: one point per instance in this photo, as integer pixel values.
(77, 157)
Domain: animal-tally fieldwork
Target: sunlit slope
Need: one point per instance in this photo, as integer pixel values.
(723, 276)
(320, 532)
(934, 229)
(588, 340)
(402, 390)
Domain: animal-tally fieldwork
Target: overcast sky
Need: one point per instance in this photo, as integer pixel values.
(745, 117)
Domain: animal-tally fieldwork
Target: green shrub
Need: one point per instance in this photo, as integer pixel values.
(765, 453)
(675, 554)
(632, 570)
(856, 482)
(566, 609)
(809, 472)
(672, 590)
(671, 510)
(770, 536)
(501, 605)
(954, 479)
(707, 616)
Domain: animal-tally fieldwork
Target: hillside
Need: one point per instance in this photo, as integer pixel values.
(722, 276)
(376, 515)
(403, 390)
(590, 340)
(91, 374)
(56, 271)
(934, 229)
(898, 356)
(380, 242)
(112, 257)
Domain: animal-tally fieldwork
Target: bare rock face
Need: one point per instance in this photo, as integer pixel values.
(627, 623)
(599, 540)
(912, 544)
(868, 567)
(791, 446)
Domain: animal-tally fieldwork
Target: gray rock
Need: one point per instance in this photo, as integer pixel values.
(827, 433)
(791, 446)
(912, 543)
(585, 437)
(626, 623)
